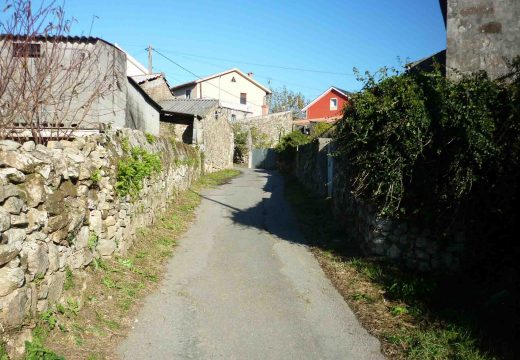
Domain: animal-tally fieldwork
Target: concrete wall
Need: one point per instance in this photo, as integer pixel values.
(482, 35)
(141, 112)
(50, 208)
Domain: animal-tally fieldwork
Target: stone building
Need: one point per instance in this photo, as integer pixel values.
(482, 35)
(203, 123)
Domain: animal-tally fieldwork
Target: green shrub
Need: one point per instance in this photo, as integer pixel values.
(417, 144)
(95, 176)
(150, 138)
(36, 351)
(133, 169)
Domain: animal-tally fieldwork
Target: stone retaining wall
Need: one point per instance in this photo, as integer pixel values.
(275, 126)
(406, 243)
(59, 210)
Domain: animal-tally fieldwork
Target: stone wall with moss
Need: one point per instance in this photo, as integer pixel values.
(60, 208)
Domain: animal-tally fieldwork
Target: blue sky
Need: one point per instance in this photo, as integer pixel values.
(332, 36)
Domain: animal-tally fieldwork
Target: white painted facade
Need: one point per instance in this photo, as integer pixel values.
(229, 88)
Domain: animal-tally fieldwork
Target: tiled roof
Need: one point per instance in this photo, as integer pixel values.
(189, 106)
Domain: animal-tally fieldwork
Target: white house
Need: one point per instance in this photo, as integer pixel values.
(233, 88)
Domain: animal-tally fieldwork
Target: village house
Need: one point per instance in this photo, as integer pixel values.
(233, 88)
(328, 108)
(92, 93)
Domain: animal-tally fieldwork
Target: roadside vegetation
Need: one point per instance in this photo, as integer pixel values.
(88, 324)
(396, 306)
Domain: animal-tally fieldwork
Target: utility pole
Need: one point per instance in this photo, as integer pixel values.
(150, 49)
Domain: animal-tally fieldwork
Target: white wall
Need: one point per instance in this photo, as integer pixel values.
(228, 92)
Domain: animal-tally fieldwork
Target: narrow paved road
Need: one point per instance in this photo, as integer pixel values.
(241, 286)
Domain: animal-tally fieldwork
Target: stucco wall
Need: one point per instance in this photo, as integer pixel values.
(229, 92)
(481, 35)
(141, 113)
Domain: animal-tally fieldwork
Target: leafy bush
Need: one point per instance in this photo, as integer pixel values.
(419, 143)
(286, 148)
(321, 129)
(133, 169)
(259, 140)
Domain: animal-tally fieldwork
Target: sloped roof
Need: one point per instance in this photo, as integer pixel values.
(143, 78)
(61, 38)
(267, 90)
(193, 107)
(341, 91)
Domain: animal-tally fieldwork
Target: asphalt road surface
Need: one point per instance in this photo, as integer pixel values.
(242, 286)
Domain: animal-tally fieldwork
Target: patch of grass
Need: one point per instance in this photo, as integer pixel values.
(95, 176)
(35, 350)
(3, 352)
(437, 344)
(150, 138)
(92, 241)
(389, 302)
(69, 279)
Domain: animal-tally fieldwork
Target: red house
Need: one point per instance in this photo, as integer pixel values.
(327, 107)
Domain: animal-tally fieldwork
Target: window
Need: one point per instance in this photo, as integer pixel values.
(243, 98)
(233, 79)
(334, 104)
(188, 94)
(233, 117)
(30, 50)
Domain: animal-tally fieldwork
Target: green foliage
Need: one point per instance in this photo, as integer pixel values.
(150, 138)
(49, 318)
(321, 129)
(292, 140)
(3, 352)
(95, 176)
(418, 143)
(259, 140)
(36, 351)
(437, 344)
(286, 148)
(133, 169)
(69, 279)
(92, 241)
(125, 145)
(283, 99)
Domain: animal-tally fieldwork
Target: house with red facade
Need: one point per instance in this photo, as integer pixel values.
(328, 107)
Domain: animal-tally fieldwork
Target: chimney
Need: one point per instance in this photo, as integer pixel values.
(250, 74)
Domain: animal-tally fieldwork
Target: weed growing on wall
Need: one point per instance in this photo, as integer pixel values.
(133, 169)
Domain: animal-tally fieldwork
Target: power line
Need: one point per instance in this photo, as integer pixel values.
(197, 76)
(319, 71)
(260, 76)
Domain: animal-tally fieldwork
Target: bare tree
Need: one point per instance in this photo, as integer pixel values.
(51, 84)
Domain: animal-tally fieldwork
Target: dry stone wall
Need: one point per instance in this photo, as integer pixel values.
(59, 209)
(406, 243)
(275, 126)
